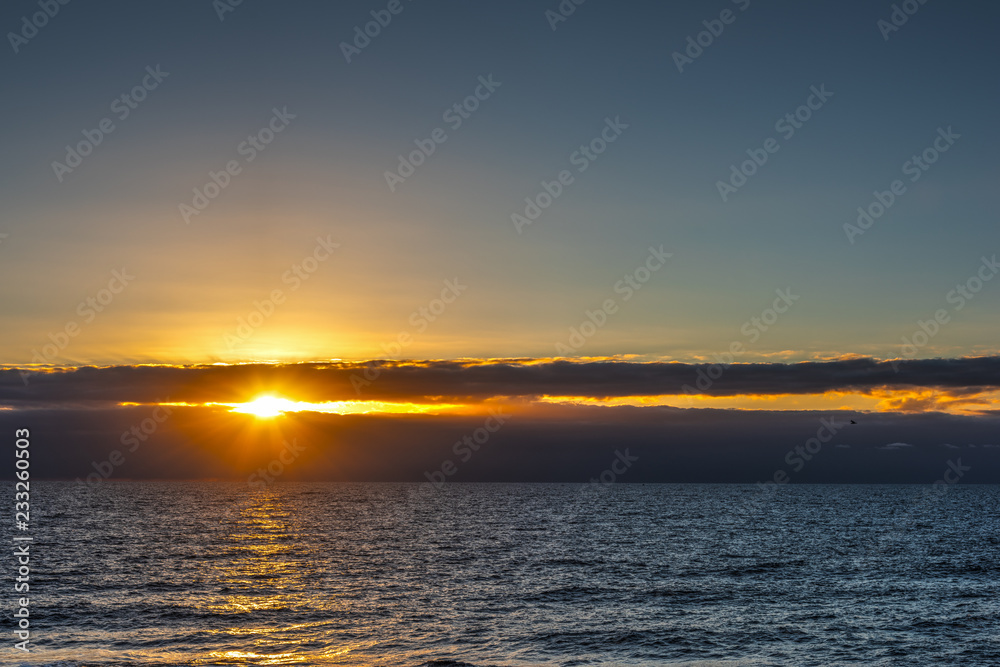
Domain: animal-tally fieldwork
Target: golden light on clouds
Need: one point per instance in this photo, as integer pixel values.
(879, 400)
(268, 407)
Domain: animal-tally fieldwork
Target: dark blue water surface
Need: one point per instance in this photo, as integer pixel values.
(508, 574)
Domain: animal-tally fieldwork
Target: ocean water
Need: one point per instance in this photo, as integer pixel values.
(136, 573)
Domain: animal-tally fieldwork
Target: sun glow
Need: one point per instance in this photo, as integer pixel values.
(266, 406)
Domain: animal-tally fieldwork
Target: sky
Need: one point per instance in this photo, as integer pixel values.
(612, 202)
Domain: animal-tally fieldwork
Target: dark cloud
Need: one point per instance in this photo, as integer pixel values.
(565, 444)
(77, 429)
(470, 381)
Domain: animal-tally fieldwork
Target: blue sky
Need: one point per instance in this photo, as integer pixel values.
(656, 184)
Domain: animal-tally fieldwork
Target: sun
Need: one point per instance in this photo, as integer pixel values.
(269, 406)
(266, 407)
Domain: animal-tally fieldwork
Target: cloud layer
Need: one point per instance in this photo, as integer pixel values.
(480, 380)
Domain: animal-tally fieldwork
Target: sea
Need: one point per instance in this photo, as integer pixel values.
(218, 573)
